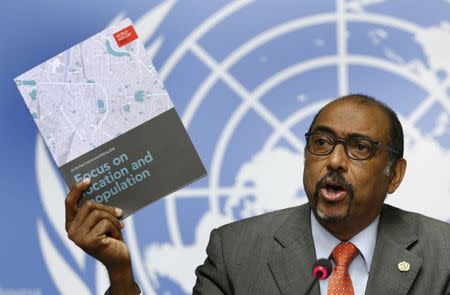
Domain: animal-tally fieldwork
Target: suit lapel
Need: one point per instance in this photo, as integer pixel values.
(395, 236)
(291, 265)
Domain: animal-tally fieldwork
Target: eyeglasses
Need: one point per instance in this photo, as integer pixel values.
(356, 147)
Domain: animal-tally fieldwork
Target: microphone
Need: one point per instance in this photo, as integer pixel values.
(321, 270)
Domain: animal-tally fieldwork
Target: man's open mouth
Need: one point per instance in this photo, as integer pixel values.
(333, 192)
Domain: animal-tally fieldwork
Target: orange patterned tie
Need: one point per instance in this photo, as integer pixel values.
(340, 282)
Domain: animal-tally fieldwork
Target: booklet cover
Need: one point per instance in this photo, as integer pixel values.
(105, 114)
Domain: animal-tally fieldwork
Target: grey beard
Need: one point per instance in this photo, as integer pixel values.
(339, 179)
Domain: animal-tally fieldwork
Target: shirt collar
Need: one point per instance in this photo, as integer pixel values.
(324, 242)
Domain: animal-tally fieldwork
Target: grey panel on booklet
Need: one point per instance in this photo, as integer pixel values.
(140, 166)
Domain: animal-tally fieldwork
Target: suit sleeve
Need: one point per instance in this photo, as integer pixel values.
(212, 277)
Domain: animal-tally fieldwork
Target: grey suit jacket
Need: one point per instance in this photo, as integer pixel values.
(274, 253)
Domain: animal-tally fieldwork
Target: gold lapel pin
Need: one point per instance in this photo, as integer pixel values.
(404, 266)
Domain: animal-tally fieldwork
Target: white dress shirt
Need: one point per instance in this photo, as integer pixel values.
(324, 243)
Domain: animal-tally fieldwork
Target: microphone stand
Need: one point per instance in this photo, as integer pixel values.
(311, 285)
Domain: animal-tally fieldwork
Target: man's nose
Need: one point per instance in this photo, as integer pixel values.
(338, 159)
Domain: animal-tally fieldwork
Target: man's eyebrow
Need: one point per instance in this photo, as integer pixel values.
(331, 131)
(324, 128)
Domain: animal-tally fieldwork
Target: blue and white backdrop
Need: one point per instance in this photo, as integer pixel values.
(246, 77)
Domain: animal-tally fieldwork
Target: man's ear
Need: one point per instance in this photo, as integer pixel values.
(397, 175)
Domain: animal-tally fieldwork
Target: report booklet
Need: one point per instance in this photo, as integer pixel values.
(105, 114)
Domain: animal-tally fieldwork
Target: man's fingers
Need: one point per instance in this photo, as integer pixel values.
(96, 239)
(105, 229)
(96, 216)
(72, 198)
(87, 208)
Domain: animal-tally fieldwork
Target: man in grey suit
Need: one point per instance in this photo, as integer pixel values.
(353, 159)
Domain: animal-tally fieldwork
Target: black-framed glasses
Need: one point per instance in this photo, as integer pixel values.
(356, 147)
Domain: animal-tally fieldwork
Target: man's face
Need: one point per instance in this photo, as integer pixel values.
(342, 191)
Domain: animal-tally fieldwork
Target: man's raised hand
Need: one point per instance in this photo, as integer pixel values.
(96, 229)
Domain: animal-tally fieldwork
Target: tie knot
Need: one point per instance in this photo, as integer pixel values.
(344, 253)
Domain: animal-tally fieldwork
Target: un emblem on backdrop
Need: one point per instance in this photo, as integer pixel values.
(253, 91)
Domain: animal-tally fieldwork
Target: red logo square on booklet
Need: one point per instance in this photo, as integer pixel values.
(125, 36)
